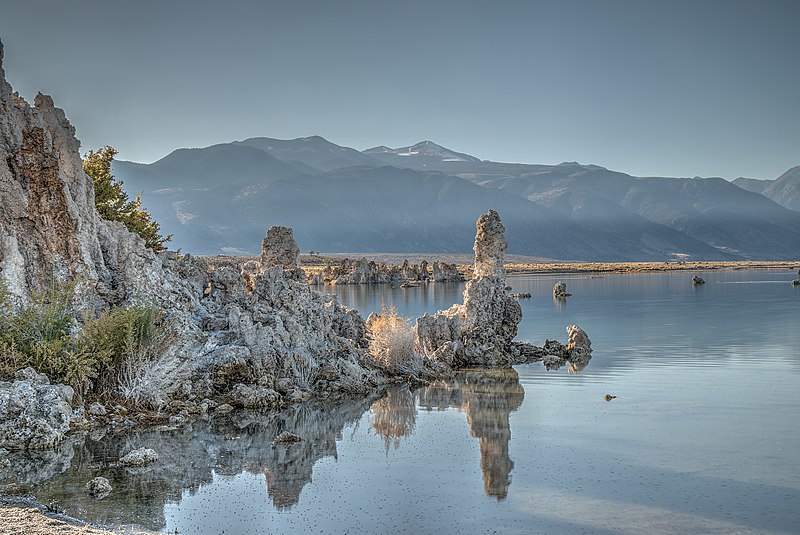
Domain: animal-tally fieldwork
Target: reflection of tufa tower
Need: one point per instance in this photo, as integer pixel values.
(488, 397)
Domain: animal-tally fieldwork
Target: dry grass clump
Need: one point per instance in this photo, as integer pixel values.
(391, 342)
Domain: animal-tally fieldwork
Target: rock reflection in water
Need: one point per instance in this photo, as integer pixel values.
(486, 396)
(189, 458)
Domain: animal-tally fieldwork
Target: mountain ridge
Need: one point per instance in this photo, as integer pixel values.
(415, 198)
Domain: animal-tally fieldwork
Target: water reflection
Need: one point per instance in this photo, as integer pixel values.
(487, 397)
(189, 458)
(395, 415)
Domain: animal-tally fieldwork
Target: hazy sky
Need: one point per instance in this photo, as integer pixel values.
(678, 88)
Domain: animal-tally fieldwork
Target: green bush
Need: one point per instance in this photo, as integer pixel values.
(94, 355)
(112, 201)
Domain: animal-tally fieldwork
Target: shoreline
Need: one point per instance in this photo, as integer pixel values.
(313, 264)
(647, 267)
(23, 514)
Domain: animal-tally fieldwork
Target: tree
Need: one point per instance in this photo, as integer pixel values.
(113, 203)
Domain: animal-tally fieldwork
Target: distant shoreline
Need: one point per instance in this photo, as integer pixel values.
(645, 267)
(517, 266)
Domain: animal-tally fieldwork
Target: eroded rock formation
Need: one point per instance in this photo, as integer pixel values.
(479, 331)
(365, 271)
(560, 290)
(254, 337)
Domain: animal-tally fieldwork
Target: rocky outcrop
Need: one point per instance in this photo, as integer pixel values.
(698, 280)
(251, 337)
(256, 337)
(365, 271)
(33, 413)
(560, 290)
(479, 331)
(444, 272)
(279, 249)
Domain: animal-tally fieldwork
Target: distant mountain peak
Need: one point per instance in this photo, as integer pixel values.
(377, 150)
(425, 149)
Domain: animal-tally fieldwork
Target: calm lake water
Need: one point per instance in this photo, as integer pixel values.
(704, 436)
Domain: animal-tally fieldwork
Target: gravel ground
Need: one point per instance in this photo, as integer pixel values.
(22, 515)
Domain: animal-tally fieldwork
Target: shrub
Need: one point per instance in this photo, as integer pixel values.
(113, 203)
(391, 342)
(95, 356)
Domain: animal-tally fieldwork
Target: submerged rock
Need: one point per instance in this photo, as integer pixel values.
(99, 488)
(698, 280)
(139, 457)
(287, 438)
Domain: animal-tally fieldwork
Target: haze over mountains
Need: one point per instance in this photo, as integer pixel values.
(425, 198)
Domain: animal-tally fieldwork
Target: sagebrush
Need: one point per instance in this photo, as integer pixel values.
(96, 354)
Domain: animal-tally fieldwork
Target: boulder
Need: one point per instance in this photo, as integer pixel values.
(33, 413)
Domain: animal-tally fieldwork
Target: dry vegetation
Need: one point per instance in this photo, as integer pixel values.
(391, 342)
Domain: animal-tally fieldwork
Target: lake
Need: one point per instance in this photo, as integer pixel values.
(703, 436)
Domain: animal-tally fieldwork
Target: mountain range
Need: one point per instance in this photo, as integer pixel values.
(425, 198)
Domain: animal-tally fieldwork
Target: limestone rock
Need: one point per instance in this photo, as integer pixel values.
(139, 457)
(560, 290)
(33, 413)
(365, 271)
(578, 343)
(480, 331)
(279, 249)
(96, 409)
(99, 488)
(490, 246)
(444, 272)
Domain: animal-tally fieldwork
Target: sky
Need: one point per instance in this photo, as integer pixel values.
(651, 88)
